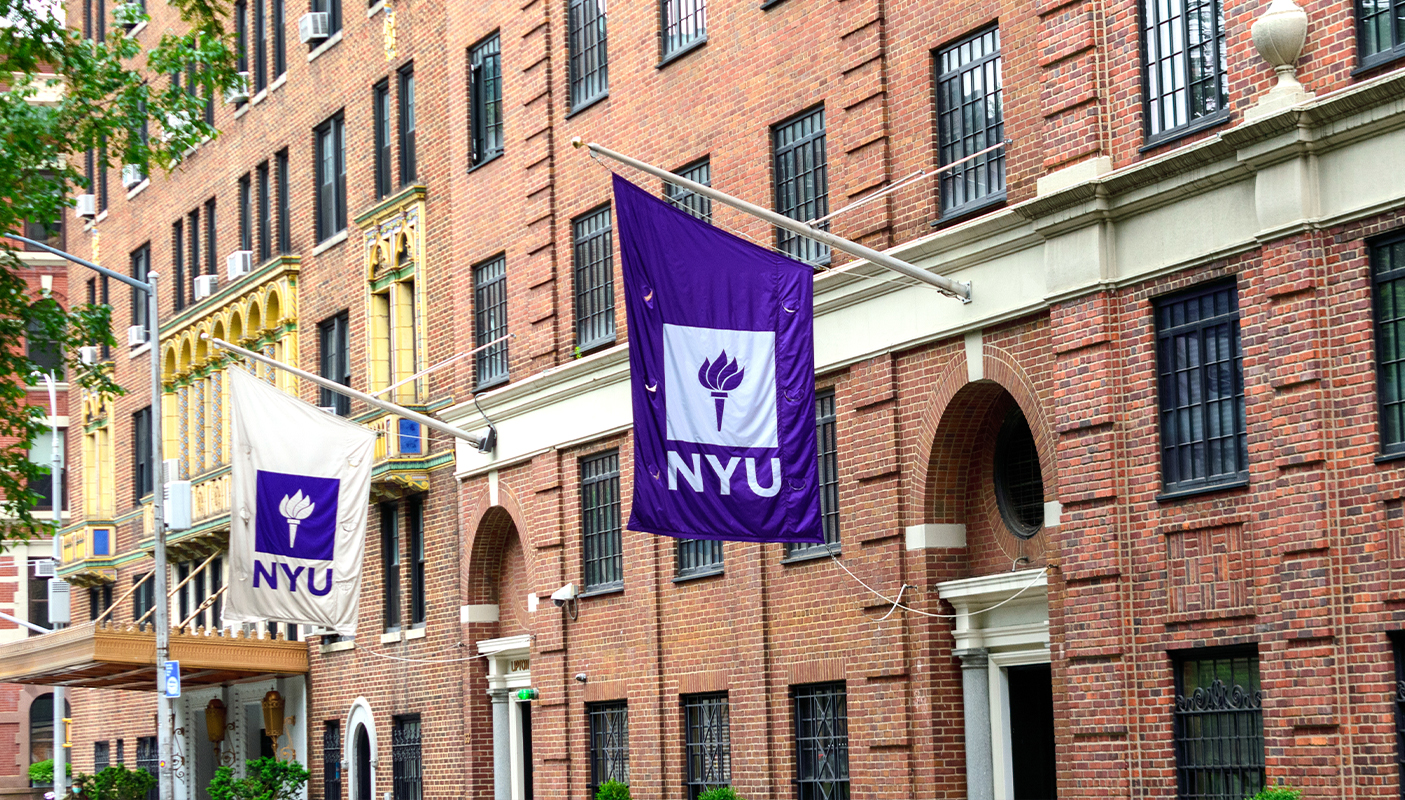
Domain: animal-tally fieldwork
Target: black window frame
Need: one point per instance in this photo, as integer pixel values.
(414, 523)
(821, 740)
(278, 20)
(1175, 445)
(707, 761)
(332, 8)
(285, 212)
(140, 261)
(144, 598)
(194, 232)
(331, 759)
(486, 140)
(587, 52)
(241, 39)
(1387, 259)
(1393, 12)
(246, 212)
(178, 263)
(1397, 646)
(490, 367)
(380, 108)
(143, 469)
(699, 206)
(330, 192)
(102, 165)
(334, 360)
(409, 165)
(260, 70)
(602, 551)
(1155, 130)
(407, 768)
(392, 615)
(149, 759)
(211, 239)
(699, 558)
(969, 61)
(609, 742)
(99, 597)
(593, 278)
(827, 452)
(798, 150)
(672, 16)
(102, 755)
(1213, 709)
(265, 202)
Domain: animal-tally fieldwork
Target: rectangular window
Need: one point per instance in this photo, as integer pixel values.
(1388, 274)
(99, 600)
(699, 557)
(285, 217)
(821, 741)
(241, 36)
(334, 336)
(408, 165)
(122, 751)
(141, 265)
(1185, 81)
(600, 520)
(265, 207)
(143, 470)
(260, 48)
(100, 29)
(144, 598)
(418, 605)
(1219, 733)
(331, 178)
(246, 214)
(390, 564)
(609, 743)
(211, 254)
(970, 118)
(280, 41)
(683, 23)
(405, 752)
(38, 612)
(707, 742)
(106, 299)
(595, 279)
(102, 173)
(1201, 371)
(691, 202)
(332, 8)
(1380, 31)
(331, 760)
(826, 437)
(1398, 646)
(381, 107)
(148, 758)
(490, 320)
(42, 455)
(102, 758)
(802, 183)
(590, 77)
(192, 224)
(485, 99)
(178, 263)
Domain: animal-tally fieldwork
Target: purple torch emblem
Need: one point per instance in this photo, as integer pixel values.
(721, 377)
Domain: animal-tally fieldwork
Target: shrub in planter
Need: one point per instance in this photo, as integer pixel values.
(719, 793)
(42, 772)
(264, 779)
(1279, 792)
(115, 783)
(613, 790)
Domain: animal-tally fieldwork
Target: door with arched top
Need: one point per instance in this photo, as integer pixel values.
(362, 750)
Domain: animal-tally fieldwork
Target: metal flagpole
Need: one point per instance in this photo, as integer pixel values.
(961, 290)
(60, 695)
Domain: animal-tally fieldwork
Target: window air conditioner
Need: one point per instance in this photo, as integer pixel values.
(314, 26)
(88, 354)
(239, 263)
(87, 206)
(132, 175)
(136, 335)
(239, 93)
(175, 124)
(205, 285)
(44, 568)
(128, 15)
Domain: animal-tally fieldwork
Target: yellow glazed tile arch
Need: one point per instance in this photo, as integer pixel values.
(253, 319)
(273, 305)
(170, 365)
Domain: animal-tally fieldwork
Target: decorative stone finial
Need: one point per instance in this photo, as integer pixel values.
(1279, 36)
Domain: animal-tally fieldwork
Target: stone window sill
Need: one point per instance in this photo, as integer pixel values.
(336, 239)
(331, 42)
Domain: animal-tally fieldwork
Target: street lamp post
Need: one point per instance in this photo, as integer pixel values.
(60, 698)
(165, 773)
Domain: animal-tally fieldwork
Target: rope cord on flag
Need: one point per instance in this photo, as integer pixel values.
(897, 602)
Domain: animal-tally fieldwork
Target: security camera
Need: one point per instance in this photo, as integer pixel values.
(580, 677)
(562, 595)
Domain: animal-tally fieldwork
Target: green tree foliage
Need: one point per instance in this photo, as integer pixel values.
(115, 783)
(42, 772)
(265, 779)
(107, 92)
(719, 793)
(613, 790)
(1279, 792)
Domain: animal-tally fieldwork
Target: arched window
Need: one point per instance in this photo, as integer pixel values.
(41, 728)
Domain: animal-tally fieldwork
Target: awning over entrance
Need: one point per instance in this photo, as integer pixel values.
(120, 656)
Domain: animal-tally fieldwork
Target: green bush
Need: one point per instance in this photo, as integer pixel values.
(719, 793)
(613, 790)
(265, 779)
(42, 772)
(1279, 792)
(115, 783)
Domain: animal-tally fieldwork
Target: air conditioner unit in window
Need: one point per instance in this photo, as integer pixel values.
(86, 207)
(136, 335)
(239, 263)
(175, 124)
(44, 568)
(239, 93)
(88, 354)
(128, 15)
(314, 26)
(132, 175)
(205, 285)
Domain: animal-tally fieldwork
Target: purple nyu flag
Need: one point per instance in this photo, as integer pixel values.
(722, 364)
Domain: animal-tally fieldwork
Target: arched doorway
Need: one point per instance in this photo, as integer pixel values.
(362, 763)
(359, 751)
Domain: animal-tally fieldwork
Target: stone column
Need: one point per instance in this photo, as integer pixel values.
(502, 745)
(975, 696)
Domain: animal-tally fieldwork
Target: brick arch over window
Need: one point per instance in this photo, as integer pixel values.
(491, 528)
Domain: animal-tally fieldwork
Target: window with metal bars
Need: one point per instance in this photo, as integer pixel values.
(1185, 85)
(102, 756)
(390, 565)
(707, 743)
(285, 222)
(415, 520)
(826, 437)
(1019, 482)
(595, 279)
(1388, 276)
(265, 201)
(970, 118)
(405, 753)
(1201, 376)
(692, 202)
(589, 61)
(148, 758)
(381, 107)
(682, 26)
(408, 164)
(246, 213)
(802, 183)
(600, 521)
(609, 743)
(330, 160)
(698, 557)
(1218, 725)
(485, 99)
(143, 470)
(1380, 31)
(490, 320)
(821, 741)
(331, 760)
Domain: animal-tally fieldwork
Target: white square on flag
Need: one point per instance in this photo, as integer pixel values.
(720, 386)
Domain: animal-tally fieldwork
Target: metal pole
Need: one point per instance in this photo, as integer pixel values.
(961, 290)
(56, 489)
(166, 775)
(24, 622)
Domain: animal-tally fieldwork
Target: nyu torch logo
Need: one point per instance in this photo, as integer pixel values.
(295, 523)
(295, 509)
(720, 377)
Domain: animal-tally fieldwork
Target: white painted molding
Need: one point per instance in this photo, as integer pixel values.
(492, 488)
(487, 612)
(1052, 512)
(975, 356)
(921, 537)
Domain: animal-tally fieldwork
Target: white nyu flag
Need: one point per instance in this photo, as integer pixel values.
(299, 496)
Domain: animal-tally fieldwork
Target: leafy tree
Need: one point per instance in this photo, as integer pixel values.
(612, 790)
(719, 793)
(265, 779)
(1279, 792)
(110, 92)
(41, 773)
(115, 783)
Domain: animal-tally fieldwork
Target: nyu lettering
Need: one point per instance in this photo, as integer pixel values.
(693, 474)
(270, 576)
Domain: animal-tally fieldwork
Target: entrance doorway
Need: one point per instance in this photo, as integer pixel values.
(525, 726)
(362, 748)
(1032, 732)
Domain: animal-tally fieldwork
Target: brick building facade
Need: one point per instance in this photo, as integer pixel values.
(1139, 497)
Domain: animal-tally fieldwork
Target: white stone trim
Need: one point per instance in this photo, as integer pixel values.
(921, 537)
(975, 356)
(358, 714)
(1053, 511)
(487, 612)
(332, 40)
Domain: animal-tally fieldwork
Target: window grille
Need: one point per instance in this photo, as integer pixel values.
(600, 518)
(595, 279)
(590, 78)
(1185, 65)
(1380, 31)
(1398, 645)
(382, 130)
(970, 118)
(405, 751)
(485, 93)
(490, 320)
(1219, 726)
(246, 213)
(826, 437)
(699, 557)
(408, 164)
(1388, 274)
(331, 177)
(143, 471)
(331, 760)
(102, 758)
(691, 202)
(821, 742)
(122, 751)
(707, 742)
(802, 183)
(390, 564)
(148, 759)
(609, 743)
(1200, 365)
(684, 23)
(417, 584)
(265, 215)
(1019, 482)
